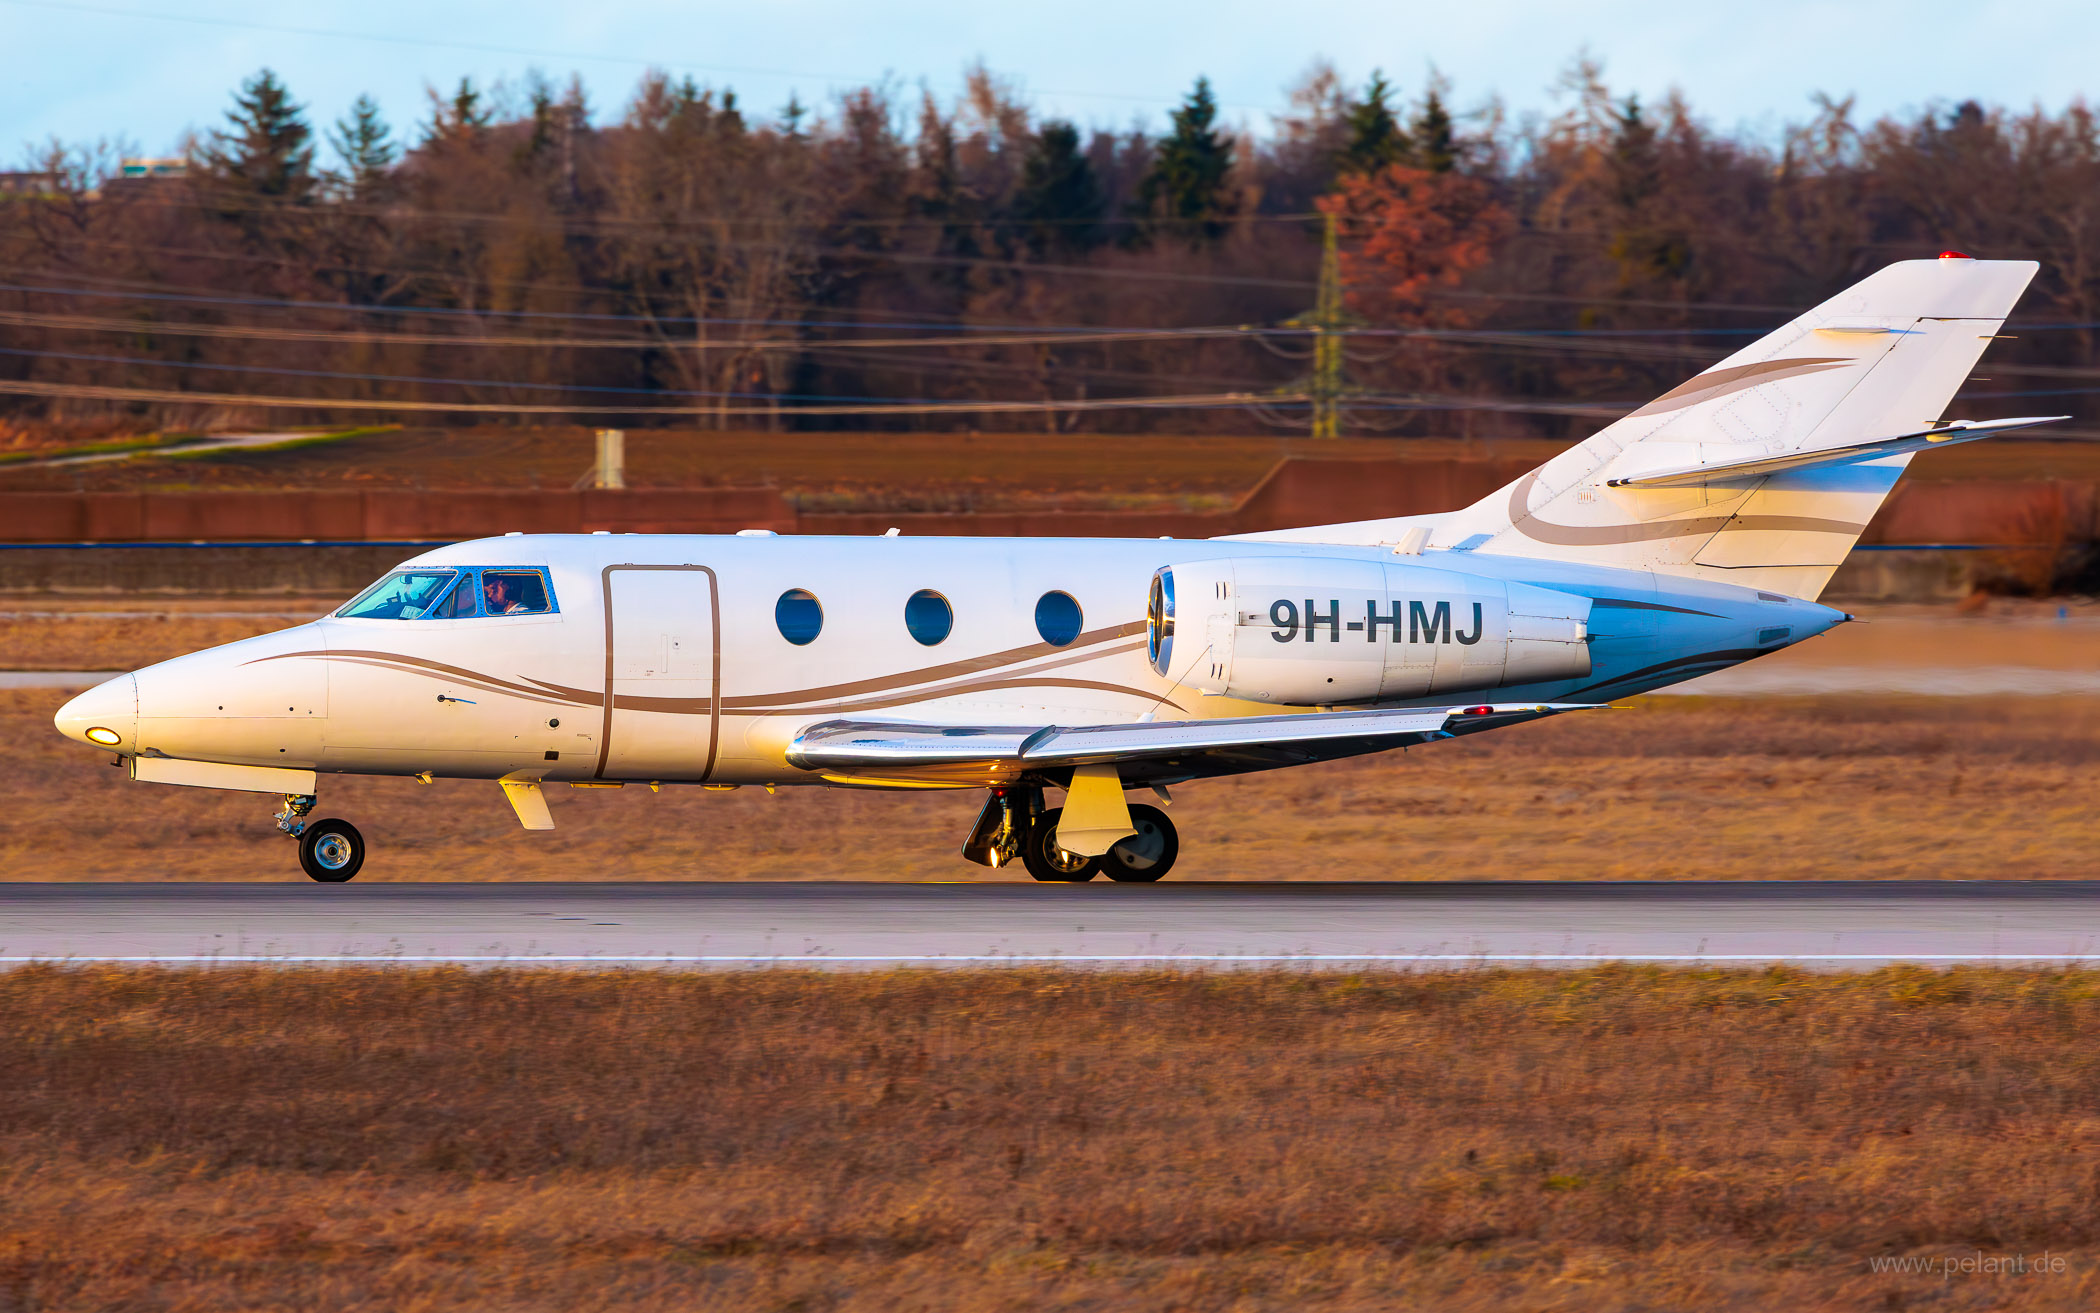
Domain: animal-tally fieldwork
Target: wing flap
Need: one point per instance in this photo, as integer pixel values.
(1145, 751)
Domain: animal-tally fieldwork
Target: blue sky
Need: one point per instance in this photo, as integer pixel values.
(97, 68)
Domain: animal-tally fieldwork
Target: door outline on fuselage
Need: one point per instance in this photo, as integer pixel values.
(714, 700)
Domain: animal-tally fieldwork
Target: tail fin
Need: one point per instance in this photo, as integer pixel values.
(1875, 362)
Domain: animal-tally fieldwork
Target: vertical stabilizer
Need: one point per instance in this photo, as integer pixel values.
(1882, 358)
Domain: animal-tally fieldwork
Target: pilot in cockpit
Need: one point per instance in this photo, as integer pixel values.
(519, 593)
(499, 595)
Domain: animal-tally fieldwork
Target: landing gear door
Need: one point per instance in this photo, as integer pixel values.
(663, 673)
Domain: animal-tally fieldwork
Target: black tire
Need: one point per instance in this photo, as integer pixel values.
(331, 851)
(1147, 855)
(1048, 862)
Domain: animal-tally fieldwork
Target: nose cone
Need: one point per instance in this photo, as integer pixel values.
(106, 716)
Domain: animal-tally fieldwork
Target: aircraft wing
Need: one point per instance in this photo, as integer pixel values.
(1945, 435)
(1144, 752)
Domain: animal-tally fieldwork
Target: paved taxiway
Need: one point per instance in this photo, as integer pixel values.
(1834, 925)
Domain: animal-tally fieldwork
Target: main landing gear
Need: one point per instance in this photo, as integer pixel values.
(330, 850)
(1015, 825)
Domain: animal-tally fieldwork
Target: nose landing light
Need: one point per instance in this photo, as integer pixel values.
(107, 715)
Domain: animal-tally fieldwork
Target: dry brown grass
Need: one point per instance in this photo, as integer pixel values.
(1602, 1139)
(1674, 788)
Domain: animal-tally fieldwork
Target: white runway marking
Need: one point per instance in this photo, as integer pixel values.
(1071, 959)
(1829, 926)
(1800, 679)
(56, 678)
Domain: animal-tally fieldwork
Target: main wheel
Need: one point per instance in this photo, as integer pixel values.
(331, 850)
(1147, 855)
(1048, 862)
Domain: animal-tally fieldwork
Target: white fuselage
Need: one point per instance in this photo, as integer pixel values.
(662, 660)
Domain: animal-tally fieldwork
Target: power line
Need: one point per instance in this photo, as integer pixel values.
(92, 323)
(966, 333)
(192, 296)
(528, 52)
(222, 198)
(97, 392)
(1544, 340)
(496, 383)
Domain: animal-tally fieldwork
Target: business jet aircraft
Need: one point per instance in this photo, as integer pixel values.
(1693, 534)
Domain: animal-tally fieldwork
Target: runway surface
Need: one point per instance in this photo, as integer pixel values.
(1831, 926)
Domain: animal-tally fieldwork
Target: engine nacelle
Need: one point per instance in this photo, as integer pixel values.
(1305, 631)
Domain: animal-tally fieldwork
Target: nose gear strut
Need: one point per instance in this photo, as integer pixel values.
(292, 819)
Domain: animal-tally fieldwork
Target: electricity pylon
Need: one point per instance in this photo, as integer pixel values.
(1326, 325)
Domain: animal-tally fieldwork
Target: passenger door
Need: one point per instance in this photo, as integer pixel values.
(663, 673)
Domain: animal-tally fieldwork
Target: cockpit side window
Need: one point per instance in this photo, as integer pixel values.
(514, 592)
(403, 595)
(460, 603)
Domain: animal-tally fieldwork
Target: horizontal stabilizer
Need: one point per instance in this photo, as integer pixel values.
(1951, 434)
(1142, 751)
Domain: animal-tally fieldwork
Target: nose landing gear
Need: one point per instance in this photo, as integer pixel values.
(330, 850)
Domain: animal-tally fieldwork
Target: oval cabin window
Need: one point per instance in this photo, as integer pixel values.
(1057, 619)
(799, 616)
(928, 616)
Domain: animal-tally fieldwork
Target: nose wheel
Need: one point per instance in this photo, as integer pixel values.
(331, 851)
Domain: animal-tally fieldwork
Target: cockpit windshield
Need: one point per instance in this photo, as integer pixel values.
(404, 595)
(455, 594)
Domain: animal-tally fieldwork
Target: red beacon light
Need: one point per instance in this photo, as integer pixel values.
(1478, 711)
(1955, 255)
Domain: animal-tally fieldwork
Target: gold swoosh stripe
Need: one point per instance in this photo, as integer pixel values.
(1718, 383)
(558, 695)
(952, 670)
(1600, 535)
(419, 665)
(470, 681)
(770, 701)
(977, 686)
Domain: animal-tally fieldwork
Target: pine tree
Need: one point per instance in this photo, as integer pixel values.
(1375, 138)
(731, 119)
(545, 116)
(1651, 249)
(462, 118)
(269, 151)
(1434, 139)
(364, 143)
(1184, 193)
(1058, 202)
